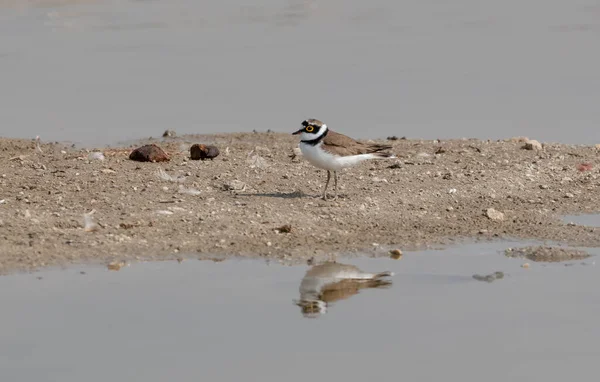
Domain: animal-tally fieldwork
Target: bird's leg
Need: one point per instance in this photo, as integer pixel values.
(335, 184)
(326, 184)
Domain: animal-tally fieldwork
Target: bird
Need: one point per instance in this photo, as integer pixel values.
(331, 151)
(329, 282)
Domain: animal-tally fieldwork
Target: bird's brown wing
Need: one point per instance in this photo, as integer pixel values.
(342, 145)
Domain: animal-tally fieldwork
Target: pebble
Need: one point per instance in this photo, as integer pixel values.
(169, 133)
(495, 215)
(202, 152)
(296, 152)
(234, 185)
(532, 144)
(489, 278)
(379, 180)
(396, 254)
(569, 195)
(149, 153)
(115, 265)
(96, 155)
(526, 265)
(584, 167)
(286, 228)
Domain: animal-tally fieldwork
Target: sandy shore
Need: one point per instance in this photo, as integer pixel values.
(433, 193)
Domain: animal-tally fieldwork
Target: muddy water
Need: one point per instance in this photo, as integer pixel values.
(111, 70)
(239, 320)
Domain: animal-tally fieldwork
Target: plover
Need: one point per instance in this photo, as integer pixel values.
(333, 151)
(329, 282)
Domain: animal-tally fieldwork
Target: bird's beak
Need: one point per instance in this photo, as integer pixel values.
(298, 132)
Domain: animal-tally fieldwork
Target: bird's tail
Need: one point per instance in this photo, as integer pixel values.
(383, 274)
(378, 150)
(385, 155)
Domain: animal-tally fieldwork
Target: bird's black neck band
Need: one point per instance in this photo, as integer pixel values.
(314, 142)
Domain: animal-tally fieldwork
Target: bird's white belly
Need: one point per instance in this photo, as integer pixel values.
(322, 159)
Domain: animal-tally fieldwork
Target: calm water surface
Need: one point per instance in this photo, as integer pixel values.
(99, 72)
(591, 220)
(239, 320)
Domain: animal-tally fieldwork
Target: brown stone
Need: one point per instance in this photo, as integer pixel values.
(396, 254)
(202, 152)
(284, 229)
(149, 153)
(584, 167)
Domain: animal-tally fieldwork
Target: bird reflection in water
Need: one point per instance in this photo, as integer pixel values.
(329, 282)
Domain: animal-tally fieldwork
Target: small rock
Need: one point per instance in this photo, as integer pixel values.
(584, 167)
(392, 138)
(115, 265)
(569, 195)
(396, 254)
(108, 171)
(234, 185)
(296, 152)
(286, 228)
(489, 278)
(149, 153)
(169, 134)
(526, 265)
(532, 145)
(492, 214)
(450, 209)
(544, 186)
(96, 155)
(202, 152)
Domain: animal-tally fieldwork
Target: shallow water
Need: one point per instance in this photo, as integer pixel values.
(590, 220)
(237, 320)
(102, 71)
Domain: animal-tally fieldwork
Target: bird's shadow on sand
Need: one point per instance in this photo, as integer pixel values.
(282, 195)
(291, 195)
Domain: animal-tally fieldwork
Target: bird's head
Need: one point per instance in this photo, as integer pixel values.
(311, 129)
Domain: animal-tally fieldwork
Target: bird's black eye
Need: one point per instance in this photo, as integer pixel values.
(309, 129)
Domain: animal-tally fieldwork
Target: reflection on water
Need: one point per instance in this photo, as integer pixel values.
(226, 321)
(329, 282)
